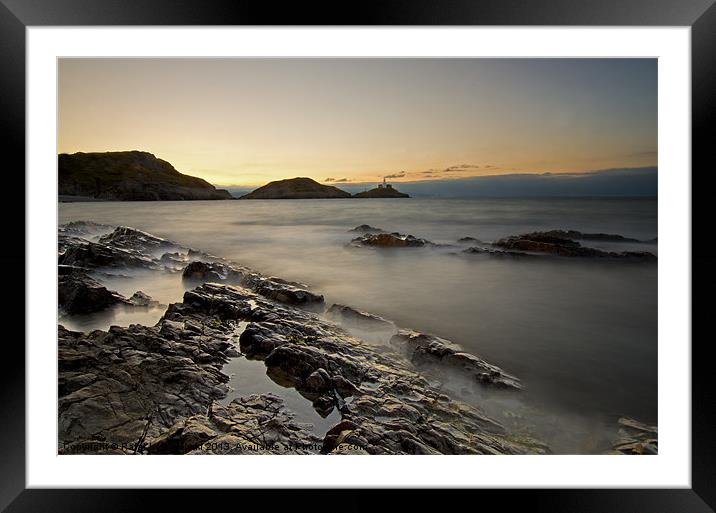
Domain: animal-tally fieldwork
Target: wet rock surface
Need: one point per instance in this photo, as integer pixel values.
(390, 240)
(139, 298)
(278, 289)
(133, 239)
(155, 389)
(394, 409)
(128, 385)
(78, 293)
(431, 351)
(211, 271)
(352, 318)
(635, 437)
(258, 424)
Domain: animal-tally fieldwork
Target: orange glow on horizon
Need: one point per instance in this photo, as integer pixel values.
(247, 122)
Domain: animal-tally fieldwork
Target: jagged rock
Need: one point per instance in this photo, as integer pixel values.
(352, 318)
(281, 291)
(390, 240)
(78, 293)
(131, 238)
(211, 271)
(258, 424)
(635, 438)
(319, 381)
(131, 384)
(397, 410)
(139, 298)
(429, 350)
(83, 253)
(83, 229)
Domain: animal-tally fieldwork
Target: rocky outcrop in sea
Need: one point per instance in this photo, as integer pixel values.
(553, 243)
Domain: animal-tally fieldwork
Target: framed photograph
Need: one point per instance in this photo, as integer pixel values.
(424, 246)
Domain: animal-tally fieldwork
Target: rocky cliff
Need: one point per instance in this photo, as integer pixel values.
(129, 176)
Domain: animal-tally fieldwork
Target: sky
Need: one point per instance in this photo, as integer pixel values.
(251, 121)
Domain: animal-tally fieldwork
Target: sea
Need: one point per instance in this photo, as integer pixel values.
(580, 334)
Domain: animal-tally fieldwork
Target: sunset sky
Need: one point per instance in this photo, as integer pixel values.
(250, 121)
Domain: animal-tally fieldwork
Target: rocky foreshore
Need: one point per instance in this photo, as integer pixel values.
(163, 389)
(156, 389)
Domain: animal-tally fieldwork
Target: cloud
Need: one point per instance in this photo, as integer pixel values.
(329, 180)
(396, 175)
(342, 180)
(459, 168)
(462, 167)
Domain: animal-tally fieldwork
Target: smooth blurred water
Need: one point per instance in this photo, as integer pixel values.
(581, 335)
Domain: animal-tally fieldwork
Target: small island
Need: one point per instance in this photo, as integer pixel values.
(296, 188)
(384, 190)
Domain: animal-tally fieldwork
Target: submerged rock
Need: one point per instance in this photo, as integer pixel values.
(366, 228)
(475, 250)
(469, 240)
(575, 235)
(544, 242)
(428, 350)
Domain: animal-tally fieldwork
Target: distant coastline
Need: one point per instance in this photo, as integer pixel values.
(140, 176)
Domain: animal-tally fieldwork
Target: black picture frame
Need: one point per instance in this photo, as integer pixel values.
(17, 15)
